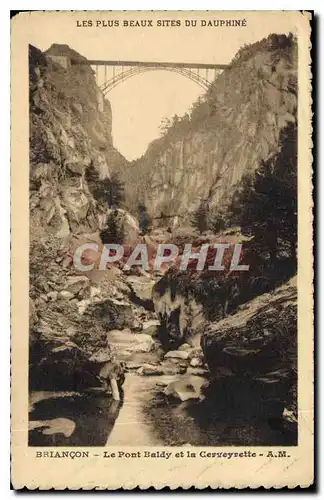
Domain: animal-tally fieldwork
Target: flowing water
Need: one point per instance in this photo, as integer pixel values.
(144, 417)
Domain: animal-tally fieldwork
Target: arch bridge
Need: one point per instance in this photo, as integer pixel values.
(109, 74)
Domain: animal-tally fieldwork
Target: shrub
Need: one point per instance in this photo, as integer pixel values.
(144, 219)
(218, 221)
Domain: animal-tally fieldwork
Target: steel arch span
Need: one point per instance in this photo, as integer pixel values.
(138, 70)
(123, 70)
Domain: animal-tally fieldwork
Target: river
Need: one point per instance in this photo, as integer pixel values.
(144, 417)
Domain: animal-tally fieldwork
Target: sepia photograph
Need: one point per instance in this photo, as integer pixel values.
(164, 258)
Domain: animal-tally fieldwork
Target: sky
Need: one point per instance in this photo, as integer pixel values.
(140, 103)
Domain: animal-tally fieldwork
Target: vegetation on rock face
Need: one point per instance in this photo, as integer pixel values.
(274, 42)
(144, 219)
(218, 220)
(199, 218)
(265, 205)
(108, 191)
(113, 231)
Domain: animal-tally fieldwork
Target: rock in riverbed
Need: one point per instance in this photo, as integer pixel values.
(186, 387)
(126, 341)
(177, 354)
(148, 369)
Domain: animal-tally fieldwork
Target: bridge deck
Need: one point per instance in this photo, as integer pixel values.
(150, 64)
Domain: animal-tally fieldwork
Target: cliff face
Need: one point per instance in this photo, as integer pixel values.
(233, 128)
(70, 128)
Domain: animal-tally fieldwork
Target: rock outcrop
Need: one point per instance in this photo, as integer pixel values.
(252, 355)
(70, 131)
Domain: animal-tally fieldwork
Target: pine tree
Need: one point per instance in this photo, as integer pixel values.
(115, 190)
(113, 232)
(109, 190)
(200, 217)
(144, 219)
(217, 221)
(91, 174)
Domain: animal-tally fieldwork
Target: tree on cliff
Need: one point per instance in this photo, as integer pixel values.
(115, 189)
(144, 219)
(164, 126)
(200, 217)
(113, 232)
(266, 205)
(218, 220)
(108, 190)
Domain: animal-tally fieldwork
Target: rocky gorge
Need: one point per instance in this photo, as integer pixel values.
(191, 358)
(203, 156)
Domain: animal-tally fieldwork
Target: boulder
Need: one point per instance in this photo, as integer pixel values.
(131, 228)
(58, 363)
(75, 284)
(194, 362)
(177, 354)
(186, 387)
(141, 291)
(148, 369)
(126, 341)
(143, 347)
(150, 327)
(161, 369)
(75, 202)
(65, 295)
(52, 296)
(202, 372)
(133, 365)
(142, 286)
(60, 368)
(184, 347)
(173, 366)
(112, 314)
